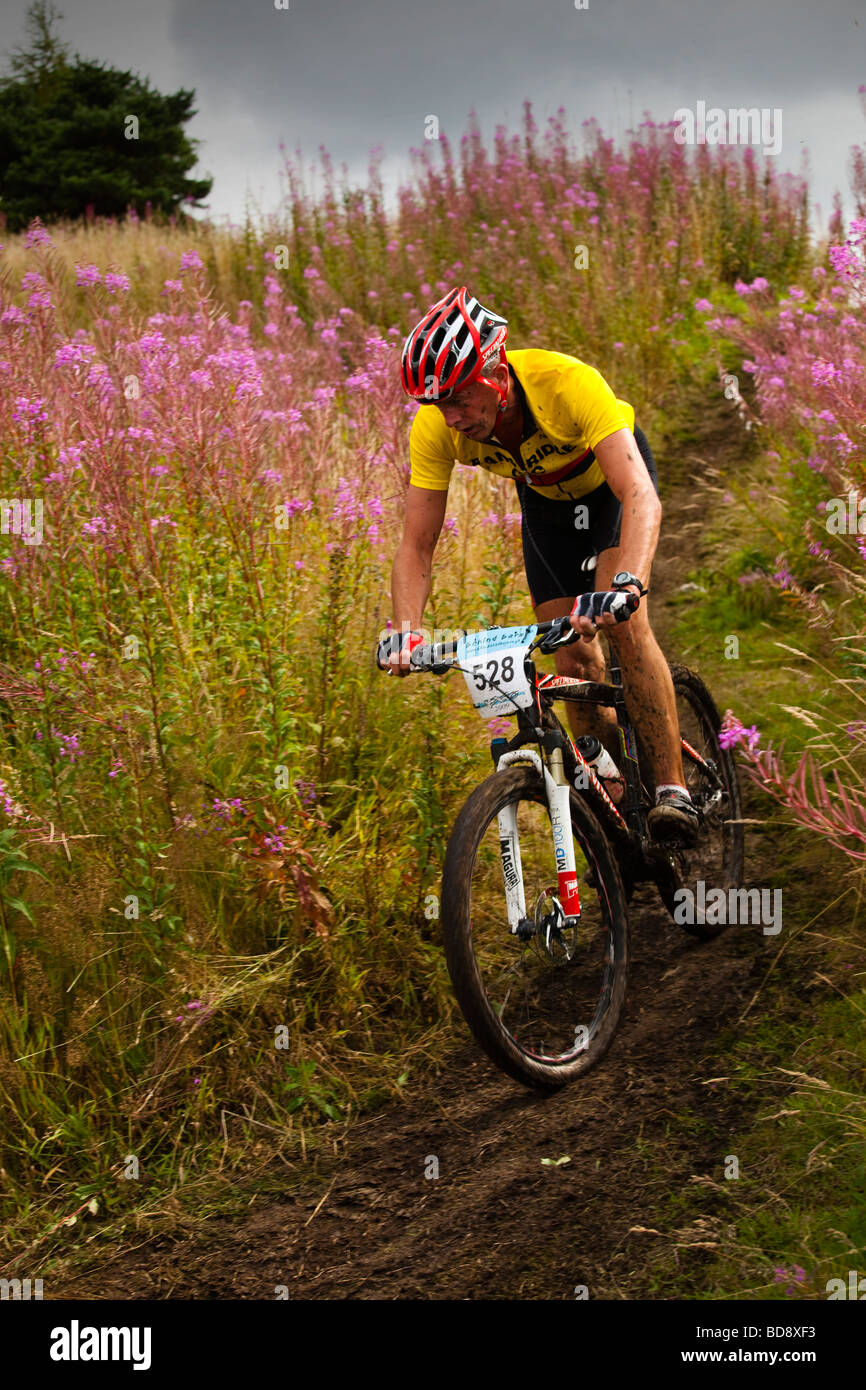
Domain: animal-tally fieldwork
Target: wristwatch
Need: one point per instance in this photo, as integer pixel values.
(623, 579)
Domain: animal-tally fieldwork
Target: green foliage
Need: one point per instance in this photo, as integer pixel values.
(304, 1090)
(68, 147)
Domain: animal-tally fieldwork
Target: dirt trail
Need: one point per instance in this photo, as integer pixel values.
(497, 1223)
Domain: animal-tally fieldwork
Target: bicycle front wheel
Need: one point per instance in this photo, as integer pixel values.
(543, 1003)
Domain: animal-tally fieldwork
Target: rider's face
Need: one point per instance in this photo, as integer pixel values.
(473, 411)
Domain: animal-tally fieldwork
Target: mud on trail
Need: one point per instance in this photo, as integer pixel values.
(497, 1223)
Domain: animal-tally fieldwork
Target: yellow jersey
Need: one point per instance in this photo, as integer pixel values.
(568, 409)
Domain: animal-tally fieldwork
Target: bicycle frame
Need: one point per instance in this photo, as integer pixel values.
(626, 824)
(561, 766)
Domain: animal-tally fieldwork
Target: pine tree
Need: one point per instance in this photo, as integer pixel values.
(78, 134)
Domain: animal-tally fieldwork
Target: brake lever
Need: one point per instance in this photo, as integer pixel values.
(424, 657)
(560, 636)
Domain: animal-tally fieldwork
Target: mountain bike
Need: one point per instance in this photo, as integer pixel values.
(541, 863)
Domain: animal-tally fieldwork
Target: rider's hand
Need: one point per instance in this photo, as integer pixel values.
(594, 610)
(396, 662)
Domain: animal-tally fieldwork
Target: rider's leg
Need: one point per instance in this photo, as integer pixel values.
(646, 678)
(584, 661)
(559, 559)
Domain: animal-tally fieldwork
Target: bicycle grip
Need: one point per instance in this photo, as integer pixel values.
(385, 649)
(429, 656)
(631, 602)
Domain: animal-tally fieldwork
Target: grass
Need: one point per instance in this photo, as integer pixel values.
(792, 1103)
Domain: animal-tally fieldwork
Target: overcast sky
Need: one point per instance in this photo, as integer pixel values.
(355, 74)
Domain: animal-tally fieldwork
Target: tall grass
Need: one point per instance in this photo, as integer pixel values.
(222, 827)
(807, 355)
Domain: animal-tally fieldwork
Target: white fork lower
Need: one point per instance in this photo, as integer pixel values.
(563, 843)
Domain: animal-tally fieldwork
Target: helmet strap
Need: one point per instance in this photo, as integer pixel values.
(502, 393)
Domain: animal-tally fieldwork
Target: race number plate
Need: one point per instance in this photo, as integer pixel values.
(492, 663)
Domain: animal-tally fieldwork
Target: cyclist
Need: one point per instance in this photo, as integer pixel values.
(588, 490)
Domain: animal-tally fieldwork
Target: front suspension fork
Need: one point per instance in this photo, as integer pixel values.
(557, 788)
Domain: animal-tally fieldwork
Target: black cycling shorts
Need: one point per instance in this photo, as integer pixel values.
(559, 557)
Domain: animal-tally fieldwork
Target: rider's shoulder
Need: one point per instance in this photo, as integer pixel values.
(551, 371)
(555, 382)
(428, 426)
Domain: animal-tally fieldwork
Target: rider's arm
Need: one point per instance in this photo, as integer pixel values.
(622, 464)
(410, 575)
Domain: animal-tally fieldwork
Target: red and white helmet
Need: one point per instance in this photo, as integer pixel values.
(447, 350)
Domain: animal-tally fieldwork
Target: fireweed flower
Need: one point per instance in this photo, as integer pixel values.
(273, 843)
(295, 504)
(75, 354)
(346, 505)
(732, 732)
(845, 263)
(87, 275)
(306, 791)
(824, 372)
(8, 806)
(115, 281)
(70, 747)
(796, 1273)
(41, 299)
(37, 236)
(843, 444)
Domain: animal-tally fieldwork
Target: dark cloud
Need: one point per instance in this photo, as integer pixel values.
(354, 74)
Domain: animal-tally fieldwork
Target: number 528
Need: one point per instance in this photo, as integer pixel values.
(494, 673)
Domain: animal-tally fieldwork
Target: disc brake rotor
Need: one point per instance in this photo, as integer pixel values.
(552, 942)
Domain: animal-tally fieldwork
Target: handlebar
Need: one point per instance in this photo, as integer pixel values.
(557, 632)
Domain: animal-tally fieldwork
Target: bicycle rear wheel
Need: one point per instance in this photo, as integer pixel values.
(545, 1008)
(717, 858)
